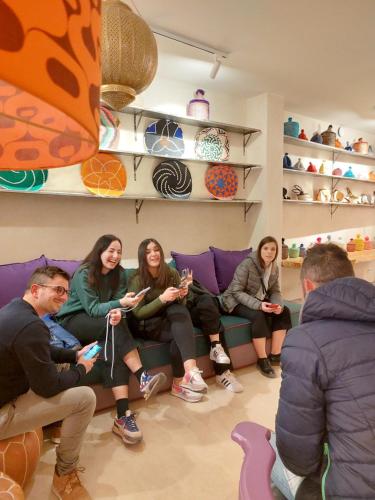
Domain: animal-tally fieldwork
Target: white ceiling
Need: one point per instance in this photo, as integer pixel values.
(318, 54)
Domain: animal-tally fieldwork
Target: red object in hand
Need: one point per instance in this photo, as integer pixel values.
(273, 306)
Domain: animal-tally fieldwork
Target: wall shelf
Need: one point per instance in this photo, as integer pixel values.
(139, 113)
(335, 151)
(313, 174)
(139, 156)
(355, 257)
(139, 199)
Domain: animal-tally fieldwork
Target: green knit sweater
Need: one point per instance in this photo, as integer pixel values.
(84, 298)
(151, 305)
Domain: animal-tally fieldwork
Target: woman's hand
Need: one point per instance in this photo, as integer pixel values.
(170, 294)
(279, 310)
(183, 292)
(115, 316)
(268, 307)
(130, 300)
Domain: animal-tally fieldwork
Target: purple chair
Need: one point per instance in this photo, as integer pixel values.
(255, 483)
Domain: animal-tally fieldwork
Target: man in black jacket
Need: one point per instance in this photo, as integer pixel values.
(32, 391)
(325, 425)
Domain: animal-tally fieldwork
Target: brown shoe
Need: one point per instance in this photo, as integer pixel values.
(69, 487)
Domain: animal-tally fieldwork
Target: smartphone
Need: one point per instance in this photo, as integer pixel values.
(273, 306)
(142, 292)
(95, 349)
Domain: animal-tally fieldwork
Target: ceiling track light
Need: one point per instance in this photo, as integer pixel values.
(219, 55)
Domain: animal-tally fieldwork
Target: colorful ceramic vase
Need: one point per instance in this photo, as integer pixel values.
(359, 243)
(349, 173)
(302, 250)
(303, 136)
(284, 249)
(361, 146)
(199, 107)
(294, 251)
(329, 136)
(311, 168)
(317, 137)
(337, 171)
(322, 168)
(299, 165)
(348, 146)
(338, 143)
(368, 244)
(350, 246)
(291, 128)
(318, 240)
(287, 162)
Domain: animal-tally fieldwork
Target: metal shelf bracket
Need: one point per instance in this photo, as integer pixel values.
(137, 160)
(246, 173)
(138, 205)
(137, 117)
(246, 209)
(246, 138)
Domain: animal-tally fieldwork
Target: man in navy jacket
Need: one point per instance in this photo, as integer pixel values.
(325, 424)
(33, 393)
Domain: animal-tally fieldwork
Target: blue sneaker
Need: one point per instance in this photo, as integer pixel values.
(126, 427)
(151, 384)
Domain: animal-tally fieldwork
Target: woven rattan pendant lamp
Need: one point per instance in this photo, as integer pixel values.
(49, 82)
(129, 55)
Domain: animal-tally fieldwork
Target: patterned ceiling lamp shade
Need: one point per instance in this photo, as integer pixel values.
(129, 54)
(172, 179)
(49, 82)
(222, 182)
(104, 175)
(23, 180)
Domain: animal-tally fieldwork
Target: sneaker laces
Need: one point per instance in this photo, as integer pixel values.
(130, 422)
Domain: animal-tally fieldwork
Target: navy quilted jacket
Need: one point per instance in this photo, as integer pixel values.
(328, 389)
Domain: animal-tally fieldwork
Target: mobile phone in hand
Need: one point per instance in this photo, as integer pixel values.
(273, 306)
(95, 349)
(142, 292)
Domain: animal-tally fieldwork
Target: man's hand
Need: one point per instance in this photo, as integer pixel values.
(87, 363)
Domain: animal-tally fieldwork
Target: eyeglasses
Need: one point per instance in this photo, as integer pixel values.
(60, 290)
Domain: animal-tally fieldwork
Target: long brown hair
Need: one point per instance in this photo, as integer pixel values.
(94, 263)
(264, 241)
(164, 274)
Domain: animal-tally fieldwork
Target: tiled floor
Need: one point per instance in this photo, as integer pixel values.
(187, 453)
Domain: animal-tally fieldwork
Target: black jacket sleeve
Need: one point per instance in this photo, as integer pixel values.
(60, 355)
(34, 354)
(300, 420)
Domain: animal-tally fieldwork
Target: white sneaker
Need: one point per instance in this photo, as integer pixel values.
(229, 381)
(186, 394)
(193, 380)
(218, 355)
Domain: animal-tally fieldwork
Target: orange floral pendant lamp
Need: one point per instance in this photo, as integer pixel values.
(50, 78)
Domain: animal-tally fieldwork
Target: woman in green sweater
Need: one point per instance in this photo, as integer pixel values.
(93, 312)
(163, 316)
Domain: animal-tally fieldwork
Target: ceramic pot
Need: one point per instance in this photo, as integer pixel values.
(317, 138)
(329, 137)
(350, 246)
(291, 128)
(361, 146)
(368, 244)
(294, 251)
(284, 250)
(302, 250)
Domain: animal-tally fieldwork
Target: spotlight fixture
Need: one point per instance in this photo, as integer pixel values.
(219, 55)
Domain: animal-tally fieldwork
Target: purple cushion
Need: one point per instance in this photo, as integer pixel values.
(203, 268)
(226, 262)
(14, 278)
(67, 265)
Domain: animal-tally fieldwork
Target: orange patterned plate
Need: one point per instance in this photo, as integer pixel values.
(104, 175)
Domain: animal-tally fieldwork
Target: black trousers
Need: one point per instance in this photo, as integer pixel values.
(263, 324)
(88, 329)
(176, 328)
(205, 314)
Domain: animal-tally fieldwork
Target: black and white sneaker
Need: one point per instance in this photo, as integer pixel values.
(229, 381)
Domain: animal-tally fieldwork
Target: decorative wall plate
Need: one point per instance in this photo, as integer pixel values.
(164, 137)
(172, 179)
(212, 144)
(108, 127)
(104, 175)
(23, 180)
(222, 182)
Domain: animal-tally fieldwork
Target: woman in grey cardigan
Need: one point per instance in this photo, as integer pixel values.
(254, 293)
